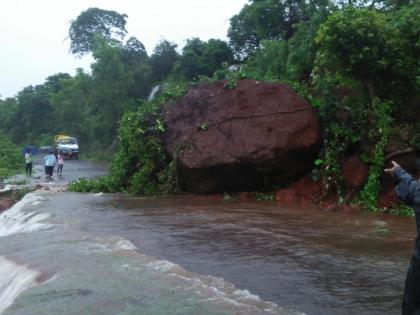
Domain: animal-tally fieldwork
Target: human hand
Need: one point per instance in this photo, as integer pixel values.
(392, 169)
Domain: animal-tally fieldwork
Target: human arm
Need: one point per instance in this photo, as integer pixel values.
(408, 188)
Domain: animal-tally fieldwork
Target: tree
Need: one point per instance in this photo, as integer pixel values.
(269, 61)
(134, 50)
(398, 4)
(34, 114)
(265, 19)
(53, 81)
(163, 60)
(111, 85)
(406, 20)
(190, 61)
(10, 157)
(216, 52)
(71, 106)
(360, 44)
(136, 61)
(371, 4)
(302, 47)
(203, 58)
(93, 22)
(8, 112)
(407, 85)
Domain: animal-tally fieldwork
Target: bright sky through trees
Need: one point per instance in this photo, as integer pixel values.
(33, 33)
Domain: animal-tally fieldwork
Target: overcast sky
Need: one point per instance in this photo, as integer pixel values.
(33, 32)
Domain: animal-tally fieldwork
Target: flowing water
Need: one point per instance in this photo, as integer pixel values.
(69, 253)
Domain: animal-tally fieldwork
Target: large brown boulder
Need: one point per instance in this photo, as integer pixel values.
(243, 138)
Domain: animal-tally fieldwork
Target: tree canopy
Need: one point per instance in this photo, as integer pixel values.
(265, 19)
(203, 58)
(93, 22)
(360, 43)
(163, 60)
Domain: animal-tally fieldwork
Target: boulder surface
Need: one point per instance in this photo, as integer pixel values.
(248, 137)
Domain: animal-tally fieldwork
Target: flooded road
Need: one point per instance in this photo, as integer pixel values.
(302, 259)
(69, 253)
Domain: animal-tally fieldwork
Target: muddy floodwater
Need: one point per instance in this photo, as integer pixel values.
(71, 253)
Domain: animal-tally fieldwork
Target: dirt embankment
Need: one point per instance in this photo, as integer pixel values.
(9, 198)
(6, 203)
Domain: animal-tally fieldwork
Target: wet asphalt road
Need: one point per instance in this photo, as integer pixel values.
(72, 171)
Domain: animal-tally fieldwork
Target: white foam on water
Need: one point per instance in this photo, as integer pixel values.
(6, 187)
(125, 245)
(112, 245)
(14, 279)
(15, 220)
(217, 289)
(162, 265)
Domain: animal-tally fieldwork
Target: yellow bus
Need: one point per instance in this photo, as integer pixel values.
(59, 137)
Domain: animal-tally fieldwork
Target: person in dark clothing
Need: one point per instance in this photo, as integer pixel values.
(408, 190)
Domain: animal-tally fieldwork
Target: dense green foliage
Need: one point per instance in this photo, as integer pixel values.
(163, 60)
(368, 50)
(140, 166)
(203, 58)
(382, 120)
(266, 19)
(11, 159)
(360, 69)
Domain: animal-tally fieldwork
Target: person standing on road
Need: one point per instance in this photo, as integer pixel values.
(28, 162)
(60, 163)
(408, 190)
(50, 162)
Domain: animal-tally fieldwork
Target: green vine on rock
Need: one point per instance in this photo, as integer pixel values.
(330, 158)
(381, 112)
